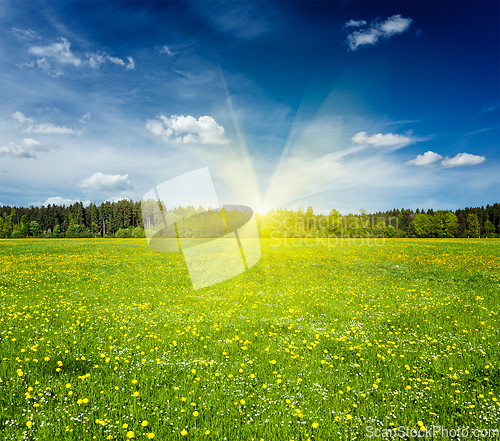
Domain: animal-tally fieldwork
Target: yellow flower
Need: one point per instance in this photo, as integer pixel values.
(125, 425)
(195, 413)
(184, 433)
(85, 400)
(136, 394)
(150, 435)
(68, 385)
(349, 417)
(315, 425)
(273, 362)
(28, 423)
(134, 381)
(242, 401)
(207, 432)
(420, 423)
(144, 423)
(130, 434)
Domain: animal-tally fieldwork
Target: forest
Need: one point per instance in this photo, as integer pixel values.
(124, 218)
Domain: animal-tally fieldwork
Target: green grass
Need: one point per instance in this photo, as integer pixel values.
(313, 342)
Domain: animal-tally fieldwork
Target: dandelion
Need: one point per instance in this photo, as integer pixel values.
(195, 413)
(28, 424)
(315, 425)
(130, 434)
(184, 432)
(144, 423)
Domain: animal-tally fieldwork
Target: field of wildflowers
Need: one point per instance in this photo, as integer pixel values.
(106, 340)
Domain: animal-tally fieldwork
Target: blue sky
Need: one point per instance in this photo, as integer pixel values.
(345, 105)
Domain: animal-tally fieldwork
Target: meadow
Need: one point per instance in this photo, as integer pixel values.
(105, 339)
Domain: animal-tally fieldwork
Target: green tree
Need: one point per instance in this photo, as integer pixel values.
(57, 230)
(71, 220)
(472, 224)
(489, 227)
(310, 219)
(423, 225)
(34, 228)
(25, 225)
(451, 225)
(440, 223)
(138, 232)
(7, 225)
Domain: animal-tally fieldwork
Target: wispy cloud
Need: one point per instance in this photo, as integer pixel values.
(491, 107)
(379, 140)
(60, 50)
(166, 50)
(24, 124)
(100, 182)
(95, 59)
(428, 159)
(389, 27)
(44, 65)
(188, 129)
(462, 159)
(28, 149)
(25, 34)
(85, 118)
(354, 23)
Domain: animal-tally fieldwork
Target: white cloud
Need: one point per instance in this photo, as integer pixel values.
(25, 125)
(85, 117)
(116, 60)
(95, 59)
(462, 159)
(28, 149)
(51, 129)
(99, 182)
(57, 200)
(354, 23)
(188, 130)
(389, 140)
(21, 119)
(25, 34)
(391, 26)
(60, 51)
(44, 65)
(166, 50)
(428, 159)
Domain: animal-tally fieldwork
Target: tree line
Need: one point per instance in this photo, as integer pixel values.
(125, 219)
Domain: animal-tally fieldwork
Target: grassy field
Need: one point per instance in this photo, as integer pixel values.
(105, 339)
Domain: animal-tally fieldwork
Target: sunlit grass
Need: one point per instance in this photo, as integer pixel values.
(106, 340)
